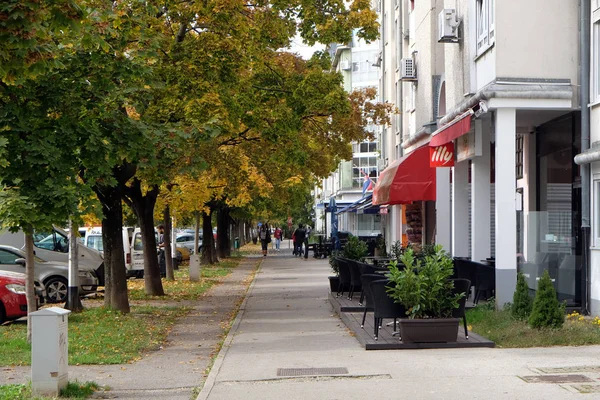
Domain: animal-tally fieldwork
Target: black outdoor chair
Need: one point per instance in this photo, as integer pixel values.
(485, 281)
(365, 268)
(461, 286)
(366, 280)
(384, 306)
(354, 278)
(344, 275)
(465, 269)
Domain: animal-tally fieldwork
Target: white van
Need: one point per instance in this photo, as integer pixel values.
(93, 239)
(54, 246)
(137, 252)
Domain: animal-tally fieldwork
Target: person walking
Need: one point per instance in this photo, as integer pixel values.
(277, 235)
(264, 234)
(300, 235)
(308, 230)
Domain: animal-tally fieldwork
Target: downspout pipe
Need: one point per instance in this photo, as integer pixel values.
(584, 93)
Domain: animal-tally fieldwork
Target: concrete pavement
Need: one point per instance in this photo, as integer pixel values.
(287, 343)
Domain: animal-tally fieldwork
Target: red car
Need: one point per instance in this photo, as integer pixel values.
(13, 303)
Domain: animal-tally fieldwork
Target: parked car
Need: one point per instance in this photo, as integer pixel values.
(187, 240)
(13, 301)
(53, 275)
(54, 246)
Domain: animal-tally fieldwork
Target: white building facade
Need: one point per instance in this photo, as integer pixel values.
(499, 81)
(357, 62)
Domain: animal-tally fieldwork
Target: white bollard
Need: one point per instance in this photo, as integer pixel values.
(49, 351)
(195, 267)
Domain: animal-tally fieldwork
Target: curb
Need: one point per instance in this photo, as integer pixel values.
(214, 371)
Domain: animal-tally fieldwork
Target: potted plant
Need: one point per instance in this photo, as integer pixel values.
(380, 247)
(355, 249)
(334, 280)
(424, 288)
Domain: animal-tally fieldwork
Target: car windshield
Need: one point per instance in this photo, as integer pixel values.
(95, 242)
(9, 257)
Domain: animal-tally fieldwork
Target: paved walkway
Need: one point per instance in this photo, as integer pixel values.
(179, 367)
(288, 344)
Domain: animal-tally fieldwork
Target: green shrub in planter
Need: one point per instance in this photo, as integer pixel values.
(424, 287)
(547, 311)
(334, 266)
(396, 250)
(522, 302)
(355, 249)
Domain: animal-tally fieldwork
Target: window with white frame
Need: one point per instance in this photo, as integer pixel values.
(595, 95)
(486, 31)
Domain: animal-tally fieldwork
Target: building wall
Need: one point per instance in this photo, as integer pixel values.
(536, 40)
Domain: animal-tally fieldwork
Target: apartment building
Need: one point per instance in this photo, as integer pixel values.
(496, 85)
(357, 61)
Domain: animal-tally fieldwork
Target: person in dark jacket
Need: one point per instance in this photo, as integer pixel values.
(264, 234)
(299, 235)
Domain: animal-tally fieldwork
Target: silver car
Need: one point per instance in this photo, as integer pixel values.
(54, 275)
(187, 240)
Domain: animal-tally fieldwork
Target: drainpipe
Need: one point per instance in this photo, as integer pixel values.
(584, 94)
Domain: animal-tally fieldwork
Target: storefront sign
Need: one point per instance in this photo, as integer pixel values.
(468, 145)
(441, 156)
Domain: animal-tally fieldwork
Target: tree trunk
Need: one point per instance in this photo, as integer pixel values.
(195, 271)
(73, 300)
(143, 206)
(167, 242)
(223, 236)
(115, 294)
(209, 254)
(29, 283)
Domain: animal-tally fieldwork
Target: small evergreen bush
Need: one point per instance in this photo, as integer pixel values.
(396, 250)
(547, 311)
(522, 302)
(355, 249)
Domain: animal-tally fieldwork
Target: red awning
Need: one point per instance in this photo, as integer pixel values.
(458, 127)
(407, 179)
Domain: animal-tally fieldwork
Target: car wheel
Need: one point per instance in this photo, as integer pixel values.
(179, 257)
(56, 290)
(2, 313)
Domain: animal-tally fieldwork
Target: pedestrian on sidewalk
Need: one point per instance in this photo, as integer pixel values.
(308, 231)
(277, 235)
(300, 235)
(264, 233)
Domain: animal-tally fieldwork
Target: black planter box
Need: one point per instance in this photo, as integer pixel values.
(433, 330)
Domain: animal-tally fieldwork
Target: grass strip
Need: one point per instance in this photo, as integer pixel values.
(73, 390)
(182, 288)
(100, 336)
(501, 328)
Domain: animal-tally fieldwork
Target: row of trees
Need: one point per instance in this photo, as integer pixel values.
(187, 107)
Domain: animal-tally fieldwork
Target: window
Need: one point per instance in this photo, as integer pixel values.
(95, 242)
(355, 67)
(362, 166)
(595, 95)
(485, 25)
(52, 241)
(519, 157)
(7, 257)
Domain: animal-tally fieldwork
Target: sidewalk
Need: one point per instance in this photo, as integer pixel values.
(287, 343)
(177, 369)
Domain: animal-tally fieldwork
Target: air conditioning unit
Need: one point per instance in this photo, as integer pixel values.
(407, 69)
(345, 65)
(448, 26)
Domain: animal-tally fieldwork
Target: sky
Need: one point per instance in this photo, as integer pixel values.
(304, 50)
